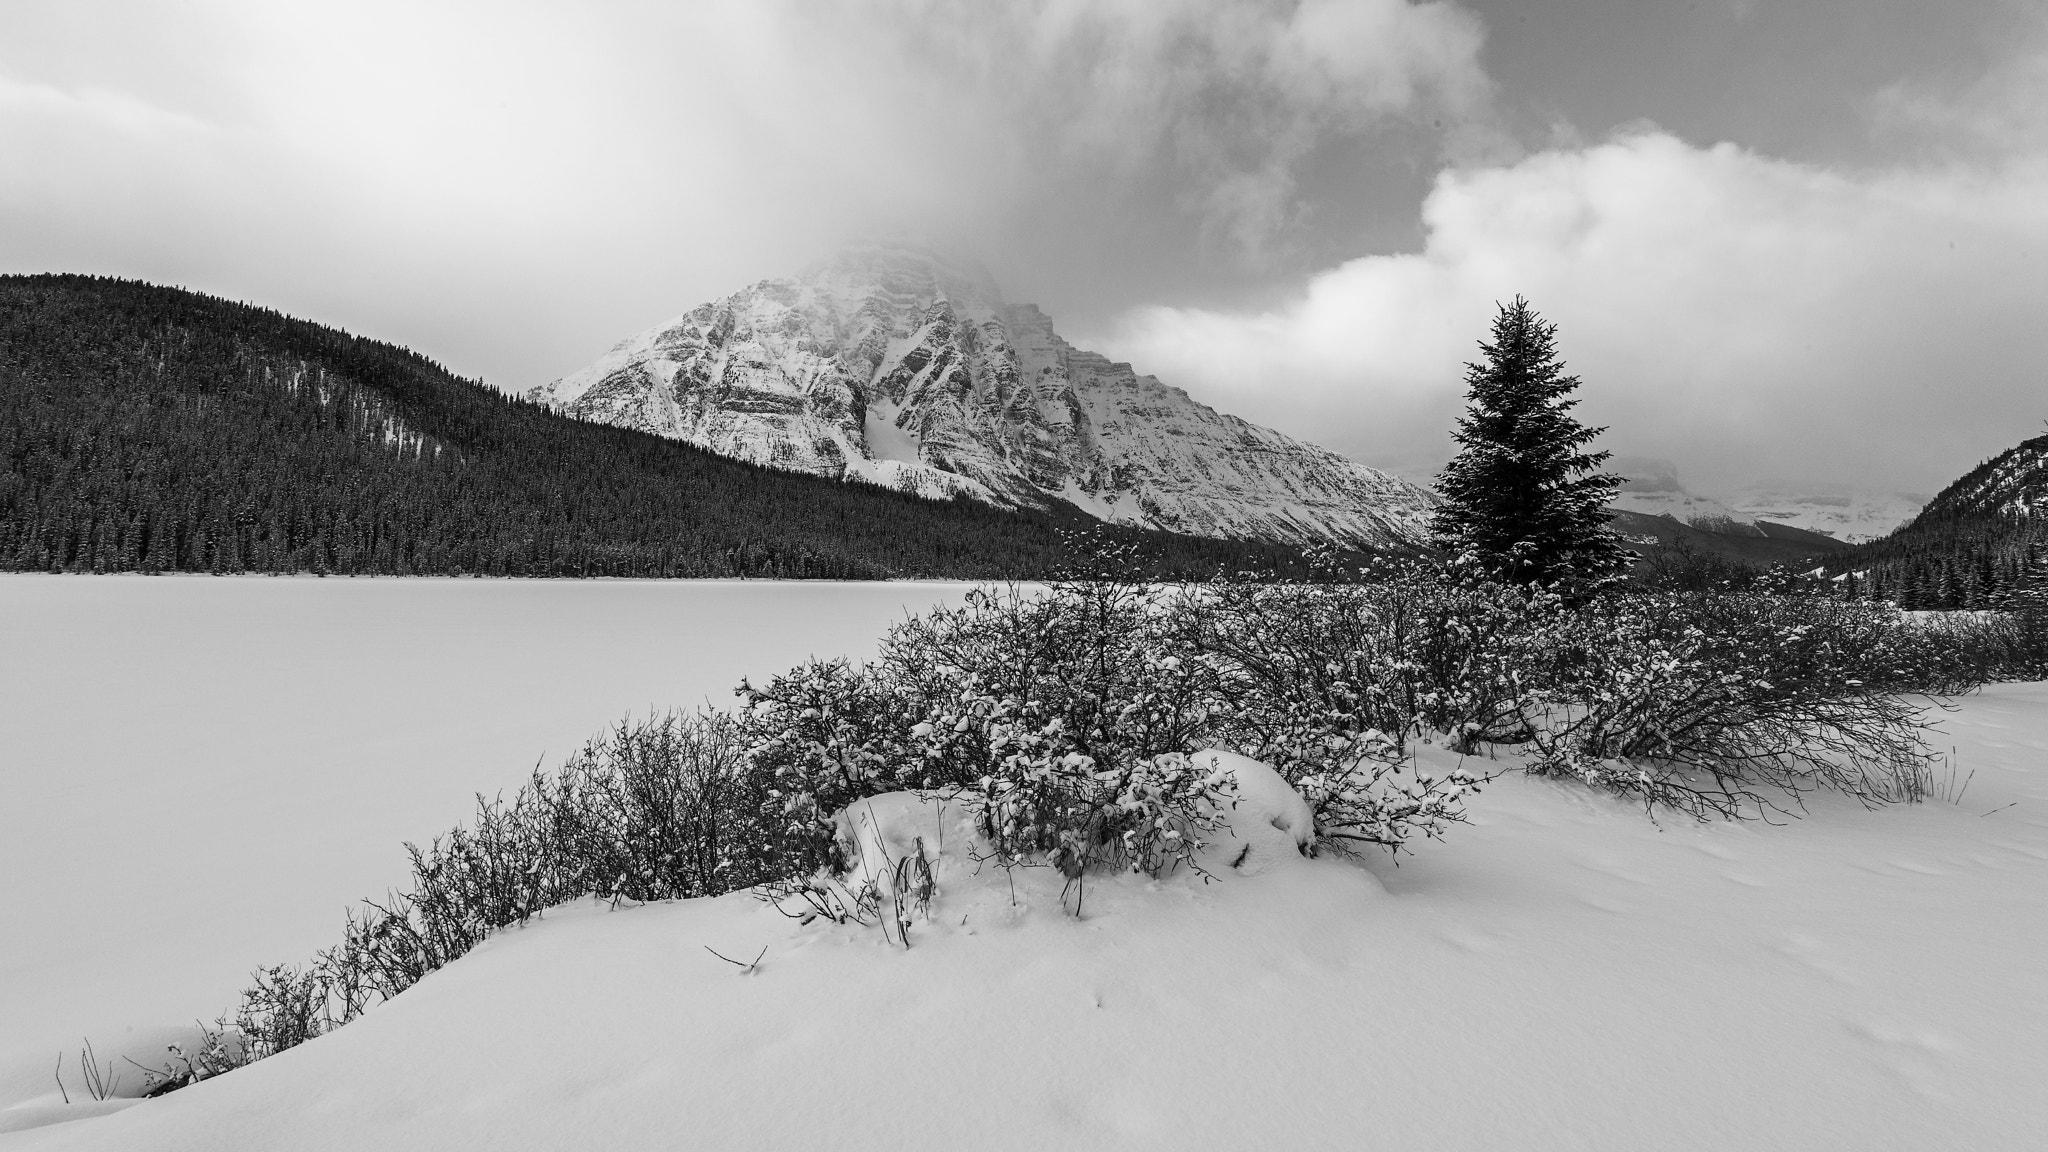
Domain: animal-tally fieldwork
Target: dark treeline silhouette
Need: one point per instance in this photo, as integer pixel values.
(1981, 543)
(150, 429)
(1974, 562)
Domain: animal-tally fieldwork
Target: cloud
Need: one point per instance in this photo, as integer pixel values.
(1207, 107)
(93, 107)
(1744, 316)
(1983, 115)
(513, 186)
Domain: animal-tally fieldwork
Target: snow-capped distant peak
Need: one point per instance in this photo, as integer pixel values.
(1652, 488)
(1845, 513)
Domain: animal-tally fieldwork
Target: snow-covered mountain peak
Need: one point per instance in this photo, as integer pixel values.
(905, 269)
(892, 364)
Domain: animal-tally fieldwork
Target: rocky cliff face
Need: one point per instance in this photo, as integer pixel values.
(892, 366)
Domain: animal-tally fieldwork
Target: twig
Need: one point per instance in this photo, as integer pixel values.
(60, 1079)
(100, 1085)
(745, 968)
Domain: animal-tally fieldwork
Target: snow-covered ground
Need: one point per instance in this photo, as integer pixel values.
(198, 774)
(1562, 974)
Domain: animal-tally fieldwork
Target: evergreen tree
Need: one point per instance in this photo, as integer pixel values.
(1523, 495)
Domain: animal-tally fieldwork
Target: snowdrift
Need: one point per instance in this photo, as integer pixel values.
(1562, 974)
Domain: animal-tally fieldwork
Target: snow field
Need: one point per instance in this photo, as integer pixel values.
(1562, 974)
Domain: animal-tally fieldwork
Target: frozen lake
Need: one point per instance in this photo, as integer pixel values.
(201, 773)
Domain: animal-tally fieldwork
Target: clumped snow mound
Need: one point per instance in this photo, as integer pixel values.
(1269, 825)
(1266, 823)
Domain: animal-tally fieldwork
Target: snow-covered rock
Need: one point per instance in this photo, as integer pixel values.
(891, 365)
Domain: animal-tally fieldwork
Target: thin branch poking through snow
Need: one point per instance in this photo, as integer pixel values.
(745, 968)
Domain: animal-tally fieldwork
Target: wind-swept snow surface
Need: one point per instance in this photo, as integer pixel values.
(1563, 974)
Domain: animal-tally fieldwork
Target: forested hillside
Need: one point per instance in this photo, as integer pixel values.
(152, 429)
(1975, 545)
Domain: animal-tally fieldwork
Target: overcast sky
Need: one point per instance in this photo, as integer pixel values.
(1800, 241)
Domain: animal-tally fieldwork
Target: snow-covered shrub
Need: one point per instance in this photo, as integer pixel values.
(1330, 681)
(818, 738)
(1403, 649)
(661, 809)
(656, 810)
(286, 1007)
(1723, 703)
(1361, 790)
(217, 1048)
(1950, 653)
(1068, 717)
(1712, 702)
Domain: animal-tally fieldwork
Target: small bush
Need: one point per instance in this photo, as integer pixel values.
(219, 1048)
(1405, 650)
(1068, 717)
(660, 809)
(818, 738)
(1329, 681)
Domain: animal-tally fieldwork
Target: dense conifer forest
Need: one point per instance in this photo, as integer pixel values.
(151, 429)
(1979, 544)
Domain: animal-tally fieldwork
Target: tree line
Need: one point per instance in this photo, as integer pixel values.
(150, 429)
(1976, 545)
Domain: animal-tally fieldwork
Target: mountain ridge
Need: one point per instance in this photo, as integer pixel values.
(890, 364)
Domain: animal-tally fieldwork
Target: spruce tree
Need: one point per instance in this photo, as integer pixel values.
(1523, 496)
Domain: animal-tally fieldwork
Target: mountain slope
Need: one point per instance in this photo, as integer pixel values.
(152, 429)
(2012, 485)
(891, 365)
(1974, 543)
